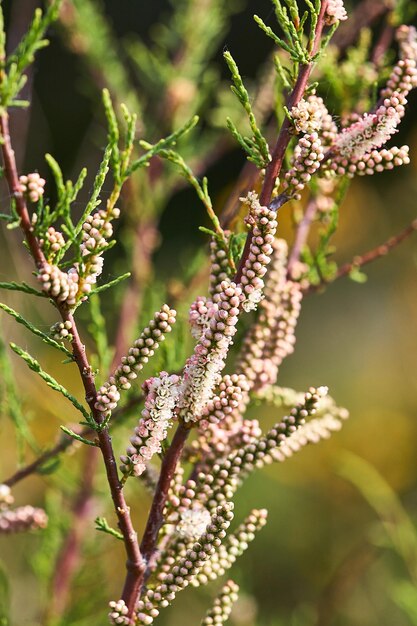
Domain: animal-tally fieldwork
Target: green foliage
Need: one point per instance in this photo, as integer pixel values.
(45, 338)
(103, 526)
(12, 407)
(110, 284)
(23, 287)
(296, 41)
(35, 366)
(256, 147)
(12, 69)
(78, 437)
(350, 78)
(163, 144)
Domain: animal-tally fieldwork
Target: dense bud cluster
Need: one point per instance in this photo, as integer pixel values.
(311, 432)
(227, 400)
(264, 225)
(272, 337)
(223, 604)
(232, 548)
(22, 519)
(308, 154)
(52, 243)
(220, 266)
(202, 372)
(308, 115)
(335, 12)
(201, 312)
(403, 77)
(118, 613)
(61, 286)
(373, 162)
(181, 574)
(221, 482)
(97, 230)
(108, 395)
(32, 186)
(61, 331)
(161, 399)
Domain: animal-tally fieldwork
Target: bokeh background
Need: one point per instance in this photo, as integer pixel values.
(325, 558)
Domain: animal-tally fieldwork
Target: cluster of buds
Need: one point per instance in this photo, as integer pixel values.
(161, 399)
(118, 613)
(372, 130)
(281, 339)
(308, 154)
(228, 399)
(403, 77)
(220, 266)
(232, 548)
(264, 225)
(22, 519)
(329, 418)
(222, 607)
(32, 186)
(61, 331)
(375, 161)
(193, 522)
(312, 432)
(97, 231)
(272, 337)
(308, 115)
(335, 12)
(61, 286)
(186, 569)
(52, 243)
(142, 350)
(220, 484)
(201, 312)
(225, 429)
(202, 372)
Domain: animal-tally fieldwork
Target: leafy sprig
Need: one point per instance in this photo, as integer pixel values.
(256, 147)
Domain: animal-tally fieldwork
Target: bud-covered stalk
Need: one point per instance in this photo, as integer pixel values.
(138, 355)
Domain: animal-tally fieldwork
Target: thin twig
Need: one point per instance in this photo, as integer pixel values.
(135, 565)
(376, 253)
(65, 442)
(370, 256)
(168, 467)
(274, 168)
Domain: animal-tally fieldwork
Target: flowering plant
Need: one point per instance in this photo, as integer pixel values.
(192, 415)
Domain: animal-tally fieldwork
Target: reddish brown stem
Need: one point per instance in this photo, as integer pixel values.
(168, 467)
(274, 168)
(65, 443)
(379, 251)
(135, 565)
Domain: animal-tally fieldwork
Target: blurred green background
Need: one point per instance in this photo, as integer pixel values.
(324, 559)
